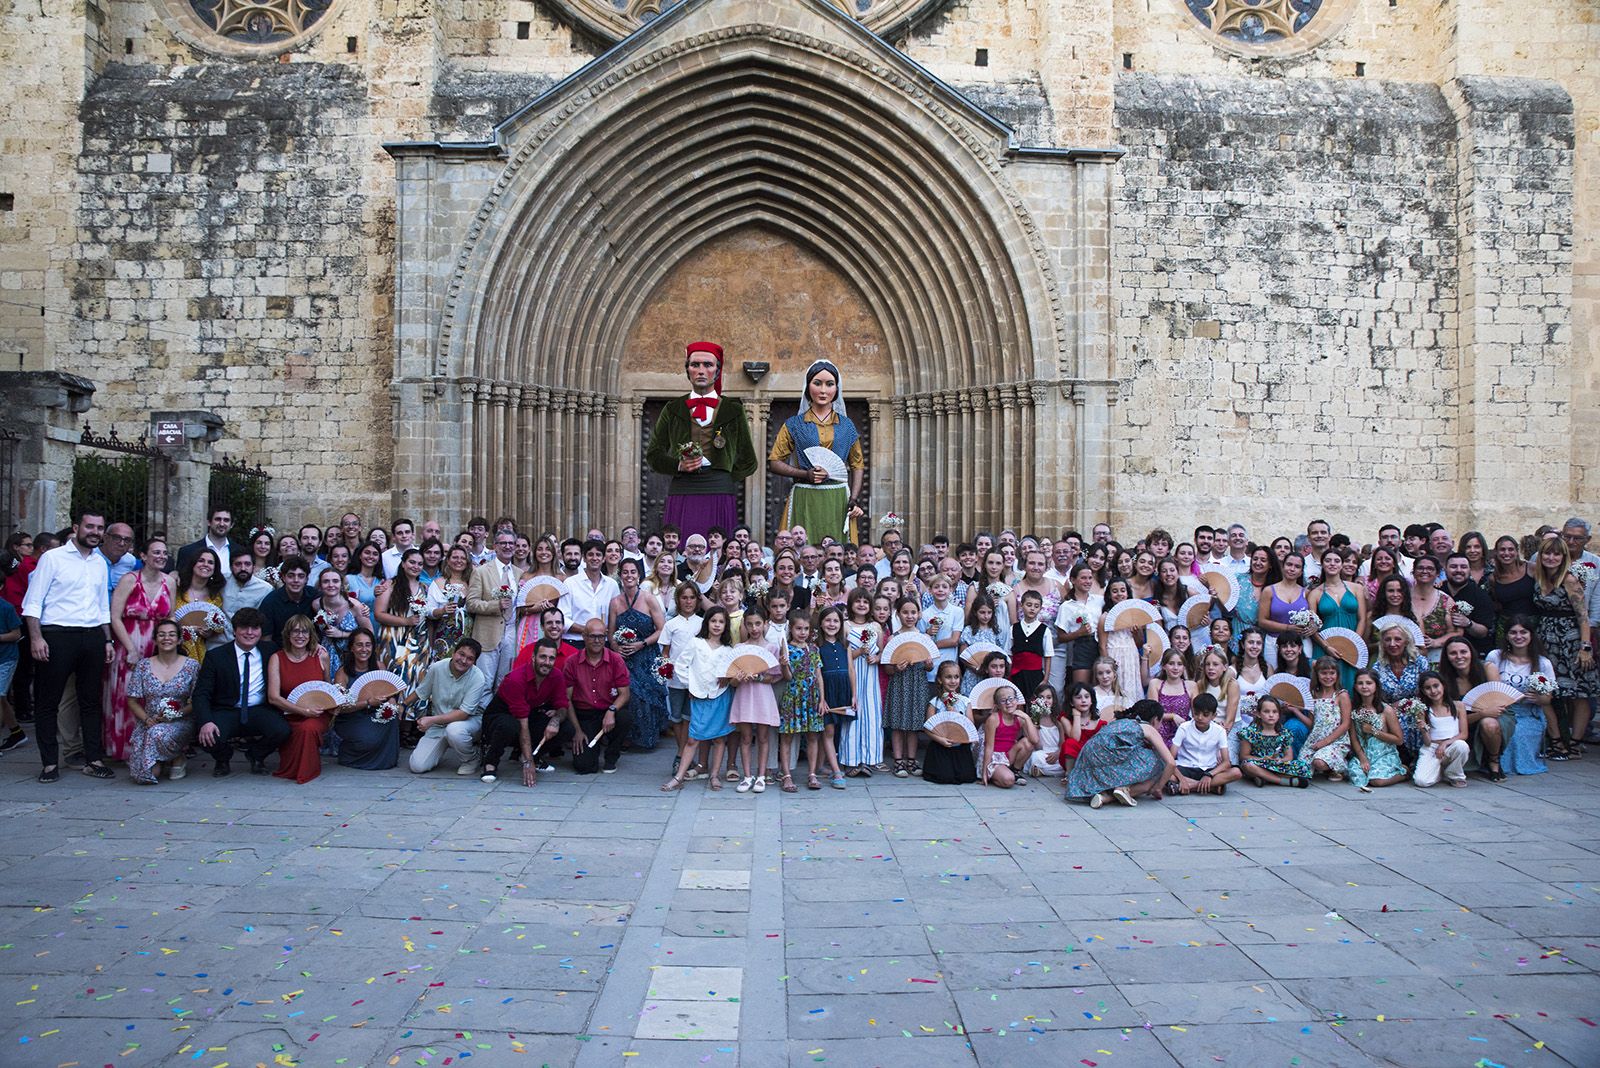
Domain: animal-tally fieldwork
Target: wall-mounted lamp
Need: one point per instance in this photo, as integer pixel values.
(756, 369)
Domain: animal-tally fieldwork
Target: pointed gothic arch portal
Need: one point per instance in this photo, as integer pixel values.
(962, 278)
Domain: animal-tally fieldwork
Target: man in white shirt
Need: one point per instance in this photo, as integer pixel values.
(1318, 533)
(482, 550)
(218, 524)
(1238, 558)
(402, 537)
(67, 611)
(244, 588)
(589, 594)
(1389, 538)
(630, 544)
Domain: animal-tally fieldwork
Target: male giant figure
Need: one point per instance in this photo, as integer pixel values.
(704, 490)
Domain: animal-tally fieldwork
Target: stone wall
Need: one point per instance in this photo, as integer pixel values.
(1285, 287)
(224, 263)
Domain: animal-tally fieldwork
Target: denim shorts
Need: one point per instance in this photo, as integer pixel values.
(8, 670)
(677, 705)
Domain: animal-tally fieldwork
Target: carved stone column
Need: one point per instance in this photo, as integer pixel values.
(611, 492)
(892, 495)
(1011, 434)
(755, 487)
(880, 462)
(629, 479)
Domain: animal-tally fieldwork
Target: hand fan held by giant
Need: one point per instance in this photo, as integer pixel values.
(751, 659)
(1345, 644)
(984, 693)
(829, 461)
(1290, 689)
(542, 588)
(319, 695)
(376, 686)
(951, 727)
(1224, 585)
(1131, 615)
(1492, 697)
(909, 647)
(1155, 645)
(978, 652)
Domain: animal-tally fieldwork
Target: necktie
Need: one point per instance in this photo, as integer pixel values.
(244, 690)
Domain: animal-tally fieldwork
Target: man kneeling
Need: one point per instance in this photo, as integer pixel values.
(534, 693)
(459, 687)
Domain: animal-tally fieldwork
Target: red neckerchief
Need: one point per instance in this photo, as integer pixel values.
(701, 407)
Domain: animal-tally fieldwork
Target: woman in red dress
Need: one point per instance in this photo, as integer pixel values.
(299, 661)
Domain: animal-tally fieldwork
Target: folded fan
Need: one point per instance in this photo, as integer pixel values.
(751, 659)
(320, 695)
(542, 588)
(1155, 645)
(1224, 585)
(829, 461)
(1290, 689)
(1347, 645)
(199, 614)
(1491, 697)
(909, 647)
(1195, 613)
(978, 652)
(1383, 623)
(952, 726)
(1131, 615)
(376, 686)
(984, 693)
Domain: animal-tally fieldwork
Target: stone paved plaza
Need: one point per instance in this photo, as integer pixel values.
(379, 918)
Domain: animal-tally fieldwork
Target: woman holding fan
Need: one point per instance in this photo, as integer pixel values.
(820, 501)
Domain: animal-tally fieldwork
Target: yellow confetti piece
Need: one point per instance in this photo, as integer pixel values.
(1380, 1018)
(1175, 1027)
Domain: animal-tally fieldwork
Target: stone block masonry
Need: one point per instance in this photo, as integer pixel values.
(224, 263)
(1288, 261)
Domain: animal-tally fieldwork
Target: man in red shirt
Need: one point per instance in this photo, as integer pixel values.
(534, 690)
(598, 682)
(550, 617)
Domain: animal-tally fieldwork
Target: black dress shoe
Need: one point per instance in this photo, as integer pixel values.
(258, 767)
(220, 771)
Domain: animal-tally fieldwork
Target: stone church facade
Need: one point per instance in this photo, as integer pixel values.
(1145, 260)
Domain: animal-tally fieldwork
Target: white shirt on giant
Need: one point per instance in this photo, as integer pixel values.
(68, 589)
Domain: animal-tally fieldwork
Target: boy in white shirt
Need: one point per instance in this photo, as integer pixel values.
(1200, 749)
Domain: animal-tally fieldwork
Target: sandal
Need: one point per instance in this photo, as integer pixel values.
(838, 782)
(1557, 750)
(671, 785)
(732, 776)
(812, 783)
(715, 785)
(901, 769)
(788, 785)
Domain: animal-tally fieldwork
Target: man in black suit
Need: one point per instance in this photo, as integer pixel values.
(230, 698)
(218, 524)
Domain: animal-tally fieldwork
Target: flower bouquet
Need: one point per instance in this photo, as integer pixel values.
(455, 592)
(166, 710)
(324, 621)
(387, 712)
(1039, 710)
(624, 635)
(891, 521)
(690, 451)
(1539, 684)
(1464, 609)
(1411, 709)
(664, 670)
(1303, 617)
(758, 589)
(418, 606)
(998, 590)
(1587, 572)
(192, 634)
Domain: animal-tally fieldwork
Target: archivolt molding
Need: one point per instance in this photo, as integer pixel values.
(983, 145)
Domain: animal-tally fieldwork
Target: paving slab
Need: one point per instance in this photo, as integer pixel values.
(377, 918)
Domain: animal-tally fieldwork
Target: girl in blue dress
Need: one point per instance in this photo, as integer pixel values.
(839, 711)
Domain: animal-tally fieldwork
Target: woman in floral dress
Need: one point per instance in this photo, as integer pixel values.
(403, 634)
(142, 597)
(337, 615)
(158, 699)
(1562, 626)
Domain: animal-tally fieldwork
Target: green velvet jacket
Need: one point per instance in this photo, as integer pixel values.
(736, 456)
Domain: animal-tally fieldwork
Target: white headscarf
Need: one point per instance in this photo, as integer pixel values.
(805, 387)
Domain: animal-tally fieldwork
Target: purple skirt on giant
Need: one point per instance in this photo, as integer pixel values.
(697, 513)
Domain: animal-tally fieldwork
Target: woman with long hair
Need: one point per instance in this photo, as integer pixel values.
(1479, 561)
(1520, 660)
(1511, 586)
(402, 621)
(1562, 623)
(369, 734)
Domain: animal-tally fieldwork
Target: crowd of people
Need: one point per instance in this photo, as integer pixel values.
(1124, 669)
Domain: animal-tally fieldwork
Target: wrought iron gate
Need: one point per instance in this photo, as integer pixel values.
(126, 481)
(242, 490)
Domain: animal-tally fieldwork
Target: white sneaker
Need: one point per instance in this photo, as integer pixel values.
(760, 786)
(469, 768)
(489, 777)
(1097, 800)
(745, 785)
(178, 771)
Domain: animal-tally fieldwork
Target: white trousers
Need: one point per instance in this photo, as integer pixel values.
(1429, 765)
(460, 736)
